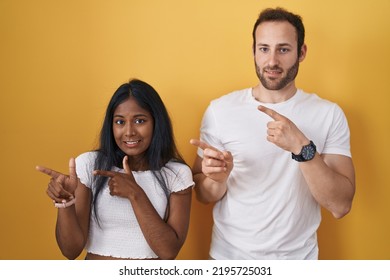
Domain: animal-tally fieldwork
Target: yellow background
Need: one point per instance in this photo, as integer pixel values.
(60, 62)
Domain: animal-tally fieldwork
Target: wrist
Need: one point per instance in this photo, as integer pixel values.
(298, 148)
(64, 203)
(307, 153)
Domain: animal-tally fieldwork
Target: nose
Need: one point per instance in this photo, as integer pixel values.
(273, 59)
(130, 129)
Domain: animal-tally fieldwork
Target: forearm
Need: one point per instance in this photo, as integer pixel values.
(69, 234)
(208, 190)
(333, 187)
(162, 238)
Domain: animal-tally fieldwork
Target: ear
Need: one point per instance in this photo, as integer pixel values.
(303, 52)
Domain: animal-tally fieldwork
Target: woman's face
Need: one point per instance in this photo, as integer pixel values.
(132, 128)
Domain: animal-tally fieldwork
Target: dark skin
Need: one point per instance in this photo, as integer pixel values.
(165, 238)
(72, 222)
(133, 130)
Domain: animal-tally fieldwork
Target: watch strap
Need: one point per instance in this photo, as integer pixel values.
(300, 158)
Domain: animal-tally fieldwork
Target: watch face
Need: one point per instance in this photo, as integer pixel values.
(308, 152)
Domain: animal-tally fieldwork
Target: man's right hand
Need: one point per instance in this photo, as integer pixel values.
(216, 164)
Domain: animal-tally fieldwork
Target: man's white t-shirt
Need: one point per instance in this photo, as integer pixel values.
(268, 211)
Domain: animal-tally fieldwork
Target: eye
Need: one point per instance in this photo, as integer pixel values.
(119, 122)
(263, 49)
(284, 50)
(139, 121)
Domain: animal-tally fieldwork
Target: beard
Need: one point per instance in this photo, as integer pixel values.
(277, 84)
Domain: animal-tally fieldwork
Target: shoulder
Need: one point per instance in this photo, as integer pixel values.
(318, 103)
(177, 167)
(86, 158)
(180, 175)
(84, 166)
(313, 97)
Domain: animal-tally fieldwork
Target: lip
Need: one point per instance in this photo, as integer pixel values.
(273, 73)
(131, 143)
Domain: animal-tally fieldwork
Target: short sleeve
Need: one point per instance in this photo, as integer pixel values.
(338, 140)
(84, 168)
(180, 176)
(209, 130)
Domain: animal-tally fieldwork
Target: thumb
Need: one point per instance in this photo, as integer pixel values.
(72, 169)
(126, 165)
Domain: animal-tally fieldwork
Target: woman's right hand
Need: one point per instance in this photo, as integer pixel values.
(61, 187)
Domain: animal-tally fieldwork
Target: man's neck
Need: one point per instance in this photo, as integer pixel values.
(264, 95)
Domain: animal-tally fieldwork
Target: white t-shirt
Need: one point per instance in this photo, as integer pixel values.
(268, 211)
(119, 234)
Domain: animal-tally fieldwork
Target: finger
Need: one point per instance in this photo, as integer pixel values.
(56, 188)
(72, 169)
(200, 144)
(274, 124)
(126, 165)
(208, 150)
(273, 114)
(60, 179)
(228, 157)
(52, 195)
(59, 185)
(211, 162)
(58, 197)
(213, 153)
(214, 170)
(52, 173)
(104, 173)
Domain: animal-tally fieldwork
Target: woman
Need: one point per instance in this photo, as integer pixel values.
(131, 198)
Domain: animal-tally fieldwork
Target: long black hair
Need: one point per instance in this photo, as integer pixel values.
(162, 147)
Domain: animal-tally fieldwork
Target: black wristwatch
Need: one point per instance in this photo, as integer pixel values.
(307, 153)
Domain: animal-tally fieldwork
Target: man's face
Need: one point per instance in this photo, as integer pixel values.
(276, 55)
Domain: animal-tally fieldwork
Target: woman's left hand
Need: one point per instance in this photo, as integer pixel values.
(120, 184)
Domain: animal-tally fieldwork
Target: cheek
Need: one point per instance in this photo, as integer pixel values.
(258, 61)
(117, 135)
(149, 133)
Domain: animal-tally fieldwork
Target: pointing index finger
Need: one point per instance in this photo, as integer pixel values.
(52, 173)
(210, 150)
(199, 144)
(273, 114)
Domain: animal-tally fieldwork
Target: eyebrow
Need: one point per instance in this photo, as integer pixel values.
(135, 116)
(278, 45)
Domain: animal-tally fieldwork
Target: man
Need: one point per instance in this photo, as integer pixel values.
(271, 156)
